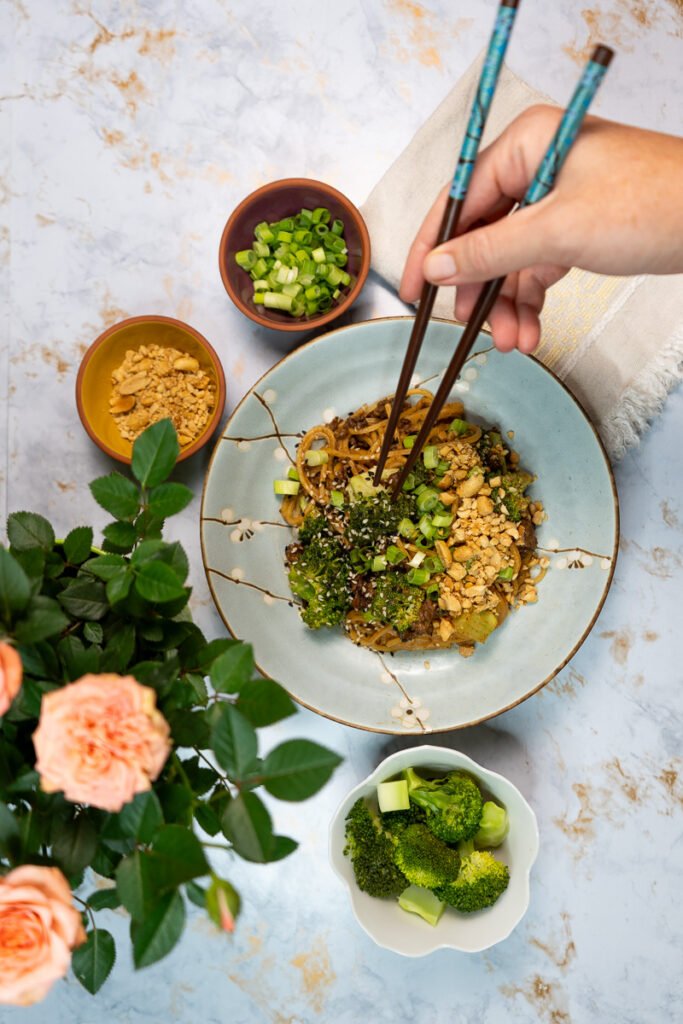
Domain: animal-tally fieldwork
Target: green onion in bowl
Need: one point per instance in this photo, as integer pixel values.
(296, 264)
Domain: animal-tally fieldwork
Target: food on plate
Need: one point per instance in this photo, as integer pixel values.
(438, 566)
(297, 263)
(154, 382)
(434, 854)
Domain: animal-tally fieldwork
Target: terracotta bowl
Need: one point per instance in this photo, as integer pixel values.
(93, 384)
(272, 202)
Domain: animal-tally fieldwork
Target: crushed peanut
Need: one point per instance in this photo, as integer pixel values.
(153, 383)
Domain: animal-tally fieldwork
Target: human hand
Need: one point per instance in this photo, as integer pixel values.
(616, 208)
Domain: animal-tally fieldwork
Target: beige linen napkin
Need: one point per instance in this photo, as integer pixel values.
(616, 341)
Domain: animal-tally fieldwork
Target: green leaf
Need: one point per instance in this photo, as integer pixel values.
(135, 884)
(93, 632)
(233, 667)
(297, 769)
(156, 936)
(106, 567)
(119, 586)
(207, 818)
(29, 530)
(188, 728)
(77, 659)
(32, 561)
(168, 499)
(120, 536)
(9, 833)
(158, 583)
(219, 891)
(27, 702)
(117, 495)
(15, 587)
(282, 847)
(78, 544)
(176, 803)
(196, 894)
(247, 825)
(199, 687)
(92, 962)
(234, 742)
(155, 453)
(73, 843)
(264, 702)
(142, 817)
(178, 857)
(120, 647)
(173, 555)
(104, 899)
(44, 618)
(85, 599)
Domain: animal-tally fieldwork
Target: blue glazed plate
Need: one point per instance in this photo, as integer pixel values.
(243, 540)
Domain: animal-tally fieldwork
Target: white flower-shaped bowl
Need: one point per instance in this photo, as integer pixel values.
(408, 934)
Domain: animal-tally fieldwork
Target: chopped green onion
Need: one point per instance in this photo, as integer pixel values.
(417, 560)
(459, 427)
(417, 577)
(426, 528)
(407, 528)
(442, 466)
(430, 457)
(336, 499)
(507, 573)
(433, 564)
(409, 440)
(286, 486)
(379, 563)
(427, 500)
(395, 555)
(409, 482)
(432, 588)
(292, 473)
(442, 520)
(362, 486)
(316, 457)
(276, 300)
(294, 254)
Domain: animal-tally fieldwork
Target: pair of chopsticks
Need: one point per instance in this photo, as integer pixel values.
(542, 183)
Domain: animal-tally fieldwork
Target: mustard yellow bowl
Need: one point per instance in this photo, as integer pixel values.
(107, 352)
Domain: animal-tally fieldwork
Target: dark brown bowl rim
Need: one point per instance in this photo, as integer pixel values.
(205, 436)
(336, 311)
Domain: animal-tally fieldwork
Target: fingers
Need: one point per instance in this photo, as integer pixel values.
(510, 244)
(413, 278)
(515, 318)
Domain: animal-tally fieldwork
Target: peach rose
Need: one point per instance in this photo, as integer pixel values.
(10, 676)
(38, 929)
(100, 740)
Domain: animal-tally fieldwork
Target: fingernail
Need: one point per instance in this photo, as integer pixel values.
(439, 265)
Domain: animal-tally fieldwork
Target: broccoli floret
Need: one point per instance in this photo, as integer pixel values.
(314, 525)
(513, 486)
(395, 602)
(372, 854)
(481, 880)
(373, 521)
(320, 577)
(492, 452)
(424, 859)
(396, 821)
(494, 826)
(452, 805)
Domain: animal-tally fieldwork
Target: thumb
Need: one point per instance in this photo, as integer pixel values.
(509, 244)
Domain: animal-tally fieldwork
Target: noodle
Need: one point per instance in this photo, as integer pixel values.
(479, 546)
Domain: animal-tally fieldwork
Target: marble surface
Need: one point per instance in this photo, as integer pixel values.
(131, 131)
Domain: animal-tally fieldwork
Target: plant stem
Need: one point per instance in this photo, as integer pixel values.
(181, 771)
(88, 910)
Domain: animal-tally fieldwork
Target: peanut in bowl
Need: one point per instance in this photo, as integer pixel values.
(144, 369)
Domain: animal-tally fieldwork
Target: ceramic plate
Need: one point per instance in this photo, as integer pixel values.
(243, 540)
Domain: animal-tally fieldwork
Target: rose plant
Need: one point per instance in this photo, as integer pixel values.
(128, 742)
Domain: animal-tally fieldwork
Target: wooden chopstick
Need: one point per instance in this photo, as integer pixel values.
(488, 80)
(542, 183)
